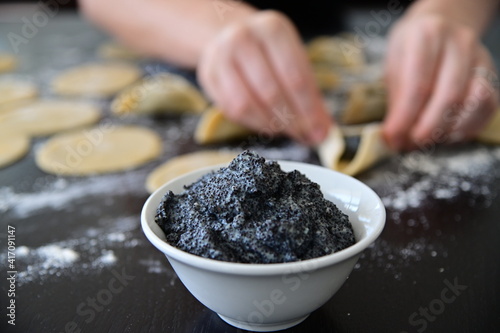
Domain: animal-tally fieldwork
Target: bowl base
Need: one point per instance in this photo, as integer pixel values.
(257, 327)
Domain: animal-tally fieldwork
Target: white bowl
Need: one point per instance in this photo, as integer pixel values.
(269, 297)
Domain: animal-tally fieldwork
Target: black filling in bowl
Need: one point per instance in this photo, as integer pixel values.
(253, 212)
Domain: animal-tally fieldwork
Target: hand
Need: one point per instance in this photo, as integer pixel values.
(256, 70)
(441, 82)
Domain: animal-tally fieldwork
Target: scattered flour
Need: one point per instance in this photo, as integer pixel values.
(390, 258)
(51, 259)
(55, 255)
(423, 177)
(59, 194)
(159, 267)
(107, 258)
(85, 255)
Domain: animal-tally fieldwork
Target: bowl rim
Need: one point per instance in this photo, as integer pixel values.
(260, 268)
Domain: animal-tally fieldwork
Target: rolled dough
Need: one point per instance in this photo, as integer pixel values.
(96, 79)
(114, 50)
(336, 52)
(7, 62)
(48, 116)
(326, 77)
(491, 134)
(372, 149)
(15, 91)
(214, 127)
(367, 102)
(97, 150)
(12, 148)
(183, 164)
(164, 93)
(15, 105)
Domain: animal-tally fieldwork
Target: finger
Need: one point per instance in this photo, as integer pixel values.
(480, 102)
(219, 77)
(268, 122)
(258, 73)
(287, 56)
(206, 74)
(451, 83)
(392, 63)
(243, 106)
(412, 82)
(238, 100)
(260, 79)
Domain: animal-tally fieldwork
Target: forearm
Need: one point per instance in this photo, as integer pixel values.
(475, 14)
(174, 30)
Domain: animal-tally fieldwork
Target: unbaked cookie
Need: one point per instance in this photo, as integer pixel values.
(7, 62)
(102, 149)
(14, 91)
(183, 164)
(214, 127)
(491, 134)
(96, 79)
(12, 148)
(164, 93)
(114, 50)
(45, 117)
(370, 149)
(326, 77)
(367, 102)
(15, 105)
(336, 52)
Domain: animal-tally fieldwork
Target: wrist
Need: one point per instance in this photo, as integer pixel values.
(470, 14)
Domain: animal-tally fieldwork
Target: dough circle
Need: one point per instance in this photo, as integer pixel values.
(15, 91)
(48, 116)
(7, 62)
(12, 148)
(96, 79)
(102, 149)
(183, 164)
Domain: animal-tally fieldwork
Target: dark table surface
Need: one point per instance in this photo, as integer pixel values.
(435, 268)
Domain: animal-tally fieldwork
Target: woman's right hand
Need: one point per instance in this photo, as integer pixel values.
(257, 71)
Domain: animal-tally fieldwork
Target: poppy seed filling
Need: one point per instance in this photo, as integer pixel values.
(253, 212)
